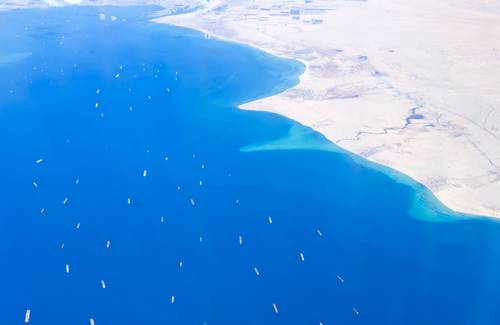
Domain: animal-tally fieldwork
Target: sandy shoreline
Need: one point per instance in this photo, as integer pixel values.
(411, 88)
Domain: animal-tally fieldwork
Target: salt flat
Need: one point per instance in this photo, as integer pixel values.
(411, 85)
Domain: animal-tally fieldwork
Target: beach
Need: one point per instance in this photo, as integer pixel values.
(410, 86)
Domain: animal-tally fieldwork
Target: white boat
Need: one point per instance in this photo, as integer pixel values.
(319, 233)
(67, 268)
(96, 105)
(78, 226)
(340, 279)
(192, 202)
(162, 220)
(39, 161)
(65, 200)
(27, 316)
(42, 210)
(240, 239)
(35, 184)
(145, 173)
(270, 220)
(77, 181)
(103, 284)
(180, 264)
(355, 311)
(302, 256)
(129, 201)
(97, 91)
(92, 321)
(256, 270)
(275, 307)
(172, 300)
(108, 244)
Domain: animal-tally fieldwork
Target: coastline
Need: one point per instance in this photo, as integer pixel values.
(447, 190)
(425, 205)
(421, 101)
(132, 188)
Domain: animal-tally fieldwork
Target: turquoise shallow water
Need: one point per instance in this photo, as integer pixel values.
(176, 97)
(425, 206)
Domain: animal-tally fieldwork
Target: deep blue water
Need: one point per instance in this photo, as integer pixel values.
(396, 269)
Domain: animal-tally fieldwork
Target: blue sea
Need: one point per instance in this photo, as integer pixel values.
(241, 218)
